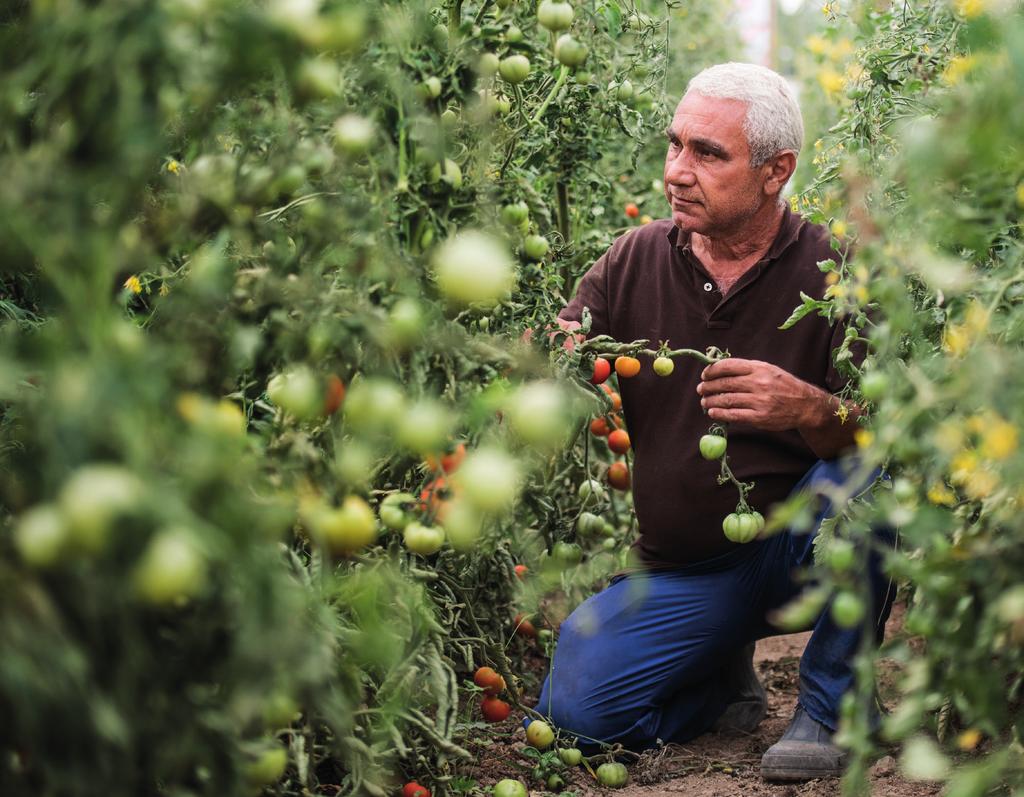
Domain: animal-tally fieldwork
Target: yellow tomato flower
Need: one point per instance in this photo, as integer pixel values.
(969, 9)
(164, 290)
(860, 293)
(839, 228)
(133, 284)
(958, 68)
(832, 278)
(941, 495)
(835, 292)
(831, 81)
(863, 438)
(999, 439)
(963, 467)
(956, 339)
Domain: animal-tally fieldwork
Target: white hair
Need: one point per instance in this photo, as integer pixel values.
(773, 122)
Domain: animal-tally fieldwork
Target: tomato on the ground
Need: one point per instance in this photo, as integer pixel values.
(540, 735)
(413, 789)
(612, 774)
(509, 788)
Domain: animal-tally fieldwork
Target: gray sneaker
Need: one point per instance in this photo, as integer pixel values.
(804, 752)
(750, 704)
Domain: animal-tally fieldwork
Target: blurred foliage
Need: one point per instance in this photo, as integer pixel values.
(238, 311)
(921, 166)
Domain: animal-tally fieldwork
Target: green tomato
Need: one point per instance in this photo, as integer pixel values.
(612, 774)
(424, 540)
(874, 385)
(298, 392)
(554, 15)
(451, 176)
(513, 34)
(487, 65)
(268, 767)
(432, 87)
(570, 756)
(393, 510)
(569, 51)
(93, 498)
(759, 519)
(473, 268)
(540, 735)
(172, 569)
(847, 609)
(663, 366)
(424, 427)
(489, 479)
(536, 247)
(373, 405)
(353, 135)
(592, 492)
(555, 782)
(624, 91)
(740, 527)
(40, 536)
(514, 68)
(280, 711)
(405, 321)
(509, 788)
(588, 524)
(841, 555)
(609, 543)
(347, 529)
(712, 446)
(537, 412)
(514, 214)
(567, 554)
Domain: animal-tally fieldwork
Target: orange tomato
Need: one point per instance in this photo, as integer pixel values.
(618, 476)
(334, 394)
(599, 427)
(627, 366)
(632, 210)
(615, 397)
(618, 441)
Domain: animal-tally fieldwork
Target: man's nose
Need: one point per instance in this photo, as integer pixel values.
(678, 170)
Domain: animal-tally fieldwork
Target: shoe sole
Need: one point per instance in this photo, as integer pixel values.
(796, 773)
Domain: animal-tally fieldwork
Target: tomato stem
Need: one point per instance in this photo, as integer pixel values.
(562, 75)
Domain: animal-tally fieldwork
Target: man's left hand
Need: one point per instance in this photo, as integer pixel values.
(762, 395)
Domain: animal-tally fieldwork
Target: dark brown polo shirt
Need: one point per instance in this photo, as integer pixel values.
(650, 285)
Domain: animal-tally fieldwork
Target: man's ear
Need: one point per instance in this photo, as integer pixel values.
(778, 170)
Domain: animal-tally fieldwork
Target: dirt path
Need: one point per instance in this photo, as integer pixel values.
(713, 765)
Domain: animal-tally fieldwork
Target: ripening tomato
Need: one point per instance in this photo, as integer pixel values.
(521, 571)
(334, 394)
(602, 370)
(615, 397)
(618, 441)
(449, 462)
(524, 627)
(599, 427)
(627, 366)
(540, 735)
(422, 539)
(663, 366)
(618, 476)
(489, 680)
(632, 210)
(495, 709)
(413, 789)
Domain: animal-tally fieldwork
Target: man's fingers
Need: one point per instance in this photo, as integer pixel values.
(730, 366)
(738, 415)
(727, 384)
(729, 400)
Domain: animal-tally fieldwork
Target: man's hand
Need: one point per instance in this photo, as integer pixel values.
(767, 397)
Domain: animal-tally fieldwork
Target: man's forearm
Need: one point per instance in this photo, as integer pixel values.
(828, 429)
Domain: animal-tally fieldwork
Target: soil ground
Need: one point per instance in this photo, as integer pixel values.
(716, 764)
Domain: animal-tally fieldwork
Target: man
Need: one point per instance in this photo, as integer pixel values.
(667, 655)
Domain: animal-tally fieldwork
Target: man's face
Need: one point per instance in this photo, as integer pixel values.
(708, 179)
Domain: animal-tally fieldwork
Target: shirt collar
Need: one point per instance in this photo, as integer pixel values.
(789, 231)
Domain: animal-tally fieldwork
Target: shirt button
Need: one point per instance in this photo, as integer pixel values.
(708, 287)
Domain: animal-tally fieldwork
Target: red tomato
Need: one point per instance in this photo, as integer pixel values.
(413, 789)
(599, 427)
(521, 571)
(618, 476)
(627, 366)
(602, 370)
(450, 461)
(615, 397)
(618, 441)
(494, 709)
(334, 394)
(489, 680)
(632, 210)
(524, 627)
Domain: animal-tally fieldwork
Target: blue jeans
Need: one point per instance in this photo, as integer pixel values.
(642, 660)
